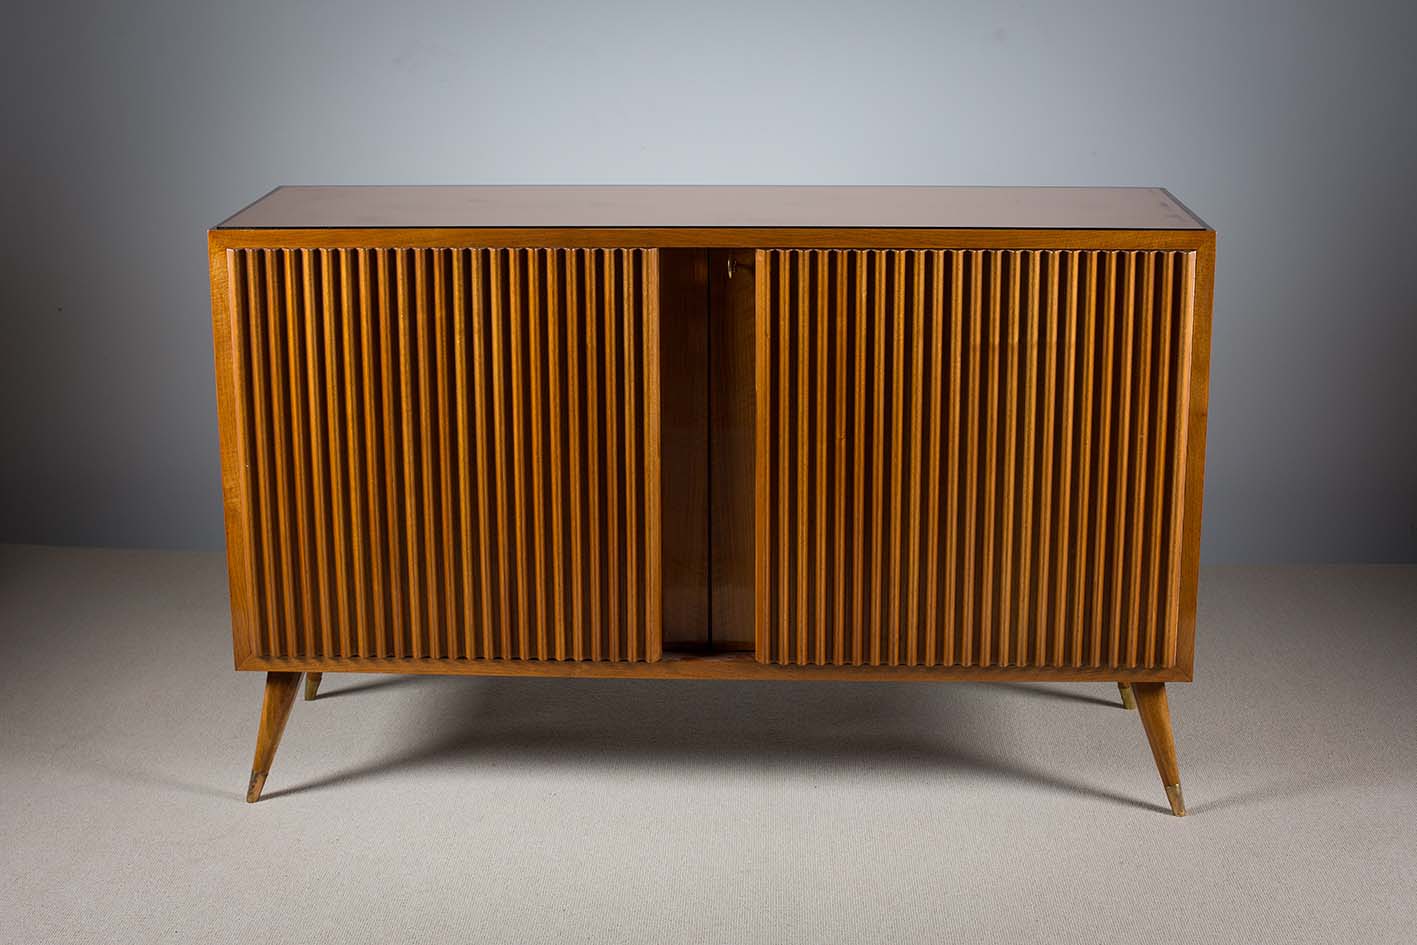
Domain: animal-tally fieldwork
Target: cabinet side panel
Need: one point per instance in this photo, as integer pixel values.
(235, 506)
(1202, 288)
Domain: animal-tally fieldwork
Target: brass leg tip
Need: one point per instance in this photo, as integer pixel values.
(312, 685)
(1178, 803)
(258, 784)
(1129, 701)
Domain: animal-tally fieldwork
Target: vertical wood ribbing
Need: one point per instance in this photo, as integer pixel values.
(574, 399)
(447, 473)
(499, 439)
(364, 421)
(1011, 412)
(1104, 468)
(429, 640)
(957, 345)
(612, 473)
(653, 468)
(421, 563)
(336, 634)
(627, 328)
(1084, 461)
(1160, 403)
(822, 332)
(239, 330)
(476, 284)
(972, 423)
(784, 375)
(897, 468)
(762, 462)
(364, 379)
(553, 392)
(991, 468)
(359, 645)
(839, 261)
(878, 468)
(1012, 443)
(1139, 475)
(991, 454)
(1061, 400)
(932, 514)
(256, 349)
(461, 401)
(277, 321)
(279, 367)
(858, 487)
(518, 434)
(374, 493)
(594, 414)
(290, 276)
(1032, 352)
(1046, 449)
(424, 447)
(803, 448)
(1119, 509)
(1065, 462)
(917, 430)
(318, 484)
(538, 465)
(390, 321)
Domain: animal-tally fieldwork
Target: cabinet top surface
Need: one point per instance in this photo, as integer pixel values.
(1014, 208)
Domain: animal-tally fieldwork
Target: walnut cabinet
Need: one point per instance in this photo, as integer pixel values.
(915, 434)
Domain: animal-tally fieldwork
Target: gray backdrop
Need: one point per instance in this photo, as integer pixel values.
(1289, 128)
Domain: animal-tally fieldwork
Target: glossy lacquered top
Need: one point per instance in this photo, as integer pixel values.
(1046, 208)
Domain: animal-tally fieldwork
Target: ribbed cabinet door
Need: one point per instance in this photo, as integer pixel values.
(448, 453)
(970, 458)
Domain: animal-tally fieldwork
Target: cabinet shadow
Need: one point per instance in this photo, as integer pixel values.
(885, 728)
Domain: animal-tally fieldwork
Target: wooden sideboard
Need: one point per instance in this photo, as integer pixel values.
(887, 433)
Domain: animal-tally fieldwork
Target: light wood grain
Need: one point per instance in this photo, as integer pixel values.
(417, 602)
(895, 485)
(392, 499)
(1047, 552)
(463, 470)
(1012, 356)
(281, 688)
(1027, 556)
(821, 372)
(1155, 715)
(762, 461)
(535, 316)
(915, 463)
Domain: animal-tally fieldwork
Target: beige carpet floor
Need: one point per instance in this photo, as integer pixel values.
(458, 810)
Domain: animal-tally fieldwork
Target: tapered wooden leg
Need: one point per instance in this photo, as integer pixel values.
(312, 685)
(1128, 700)
(1156, 719)
(275, 709)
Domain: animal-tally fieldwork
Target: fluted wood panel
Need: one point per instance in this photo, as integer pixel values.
(449, 453)
(971, 458)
